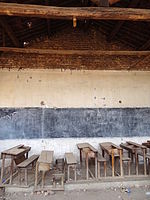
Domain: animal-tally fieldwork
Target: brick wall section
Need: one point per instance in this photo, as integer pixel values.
(75, 39)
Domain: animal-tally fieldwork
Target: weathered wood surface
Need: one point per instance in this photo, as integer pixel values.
(136, 150)
(97, 13)
(101, 158)
(43, 164)
(16, 151)
(86, 145)
(128, 147)
(109, 146)
(136, 144)
(13, 153)
(70, 158)
(114, 151)
(46, 157)
(147, 144)
(74, 52)
(89, 151)
(28, 161)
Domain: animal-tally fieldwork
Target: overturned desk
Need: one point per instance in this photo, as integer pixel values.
(18, 154)
(90, 152)
(113, 151)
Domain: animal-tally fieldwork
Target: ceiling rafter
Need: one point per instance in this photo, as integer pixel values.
(145, 46)
(9, 31)
(119, 24)
(48, 20)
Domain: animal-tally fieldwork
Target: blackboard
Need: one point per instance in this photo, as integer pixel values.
(32, 123)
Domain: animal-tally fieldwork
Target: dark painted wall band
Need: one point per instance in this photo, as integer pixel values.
(32, 123)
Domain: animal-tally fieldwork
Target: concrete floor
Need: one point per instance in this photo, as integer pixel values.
(140, 193)
(124, 188)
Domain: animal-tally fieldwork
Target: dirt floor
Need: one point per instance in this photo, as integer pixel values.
(140, 193)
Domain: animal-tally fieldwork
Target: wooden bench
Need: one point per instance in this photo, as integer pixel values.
(24, 166)
(71, 162)
(100, 160)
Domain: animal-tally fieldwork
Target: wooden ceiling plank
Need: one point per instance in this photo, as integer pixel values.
(97, 13)
(9, 31)
(74, 52)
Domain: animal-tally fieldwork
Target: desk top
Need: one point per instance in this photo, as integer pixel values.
(17, 150)
(147, 144)
(136, 145)
(109, 145)
(127, 146)
(70, 158)
(86, 145)
(46, 157)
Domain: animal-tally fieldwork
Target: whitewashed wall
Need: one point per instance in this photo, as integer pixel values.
(72, 89)
(75, 89)
(61, 146)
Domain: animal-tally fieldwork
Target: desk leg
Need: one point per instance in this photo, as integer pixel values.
(36, 174)
(27, 155)
(11, 170)
(112, 160)
(3, 166)
(43, 178)
(103, 153)
(87, 166)
(68, 173)
(121, 167)
(144, 157)
(80, 157)
(96, 165)
(75, 172)
(26, 176)
(136, 163)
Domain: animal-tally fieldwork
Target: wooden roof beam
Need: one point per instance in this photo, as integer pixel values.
(97, 13)
(74, 52)
(9, 31)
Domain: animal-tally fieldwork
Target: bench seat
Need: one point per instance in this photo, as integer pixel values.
(24, 166)
(28, 161)
(70, 161)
